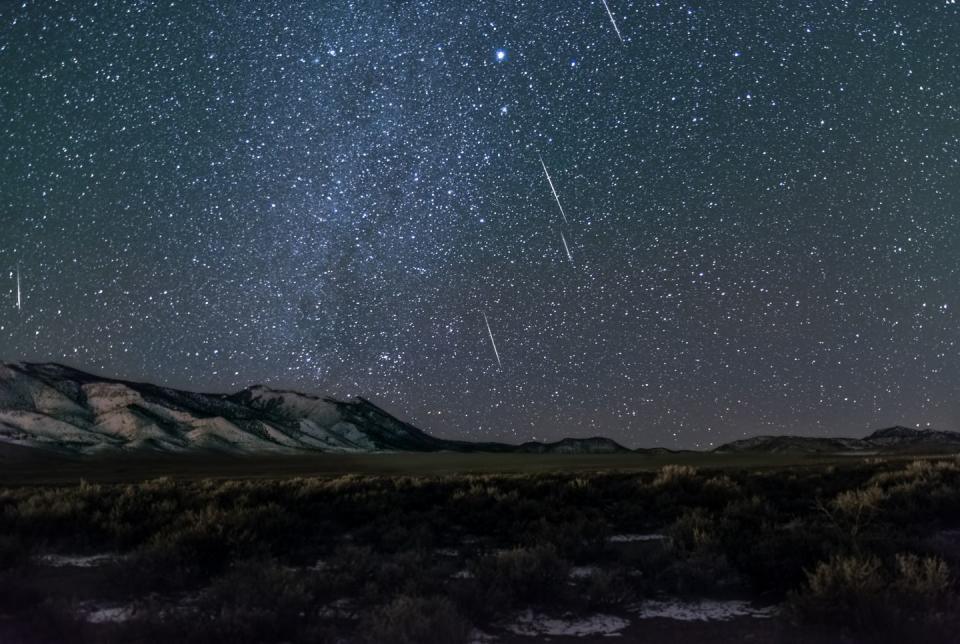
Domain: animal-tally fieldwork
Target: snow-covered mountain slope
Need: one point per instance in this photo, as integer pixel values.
(62, 409)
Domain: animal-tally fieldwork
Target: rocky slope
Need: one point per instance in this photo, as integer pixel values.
(65, 410)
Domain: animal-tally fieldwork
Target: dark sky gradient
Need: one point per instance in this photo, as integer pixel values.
(763, 204)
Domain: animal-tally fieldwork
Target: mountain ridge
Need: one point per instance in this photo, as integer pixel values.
(61, 409)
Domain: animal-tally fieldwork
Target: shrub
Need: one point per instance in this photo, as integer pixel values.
(408, 573)
(694, 530)
(415, 620)
(673, 474)
(258, 601)
(920, 468)
(604, 589)
(859, 503)
(351, 568)
(844, 590)
(853, 511)
(521, 575)
(775, 556)
(921, 580)
(577, 540)
(699, 573)
(719, 490)
(861, 593)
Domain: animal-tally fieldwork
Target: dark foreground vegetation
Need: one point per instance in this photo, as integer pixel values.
(865, 551)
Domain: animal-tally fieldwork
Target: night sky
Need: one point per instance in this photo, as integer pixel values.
(762, 205)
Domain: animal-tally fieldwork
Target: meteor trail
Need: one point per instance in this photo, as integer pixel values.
(490, 333)
(553, 190)
(612, 21)
(19, 307)
(565, 247)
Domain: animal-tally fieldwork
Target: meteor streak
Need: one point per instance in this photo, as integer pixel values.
(553, 190)
(19, 304)
(565, 247)
(490, 333)
(612, 21)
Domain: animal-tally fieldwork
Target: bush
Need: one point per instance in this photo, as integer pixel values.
(511, 577)
(853, 511)
(674, 474)
(182, 555)
(605, 589)
(257, 601)
(921, 581)
(528, 574)
(843, 590)
(575, 540)
(415, 620)
(352, 568)
(694, 531)
(699, 573)
(775, 557)
(859, 592)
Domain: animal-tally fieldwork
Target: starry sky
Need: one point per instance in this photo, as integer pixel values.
(760, 228)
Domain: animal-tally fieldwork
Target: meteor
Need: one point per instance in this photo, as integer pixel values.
(19, 303)
(612, 21)
(553, 190)
(565, 247)
(494, 344)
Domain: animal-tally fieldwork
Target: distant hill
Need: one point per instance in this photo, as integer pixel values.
(63, 410)
(892, 439)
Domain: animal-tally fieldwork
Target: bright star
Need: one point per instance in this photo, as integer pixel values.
(501, 55)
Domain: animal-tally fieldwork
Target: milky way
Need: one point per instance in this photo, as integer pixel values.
(762, 204)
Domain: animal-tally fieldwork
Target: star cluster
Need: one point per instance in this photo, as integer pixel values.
(760, 228)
